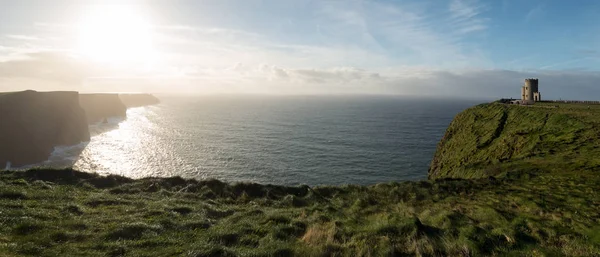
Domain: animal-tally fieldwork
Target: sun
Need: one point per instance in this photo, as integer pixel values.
(115, 34)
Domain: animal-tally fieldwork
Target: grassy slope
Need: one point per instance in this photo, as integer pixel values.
(540, 210)
(492, 139)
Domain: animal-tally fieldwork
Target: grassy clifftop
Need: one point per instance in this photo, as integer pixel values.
(493, 139)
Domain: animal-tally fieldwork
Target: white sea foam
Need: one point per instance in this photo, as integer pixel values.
(67, 155)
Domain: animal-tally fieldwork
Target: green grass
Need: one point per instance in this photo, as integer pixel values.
(65, 212)
(492, 139)
(509, 181)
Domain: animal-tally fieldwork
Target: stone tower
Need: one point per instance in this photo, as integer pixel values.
(530, 91)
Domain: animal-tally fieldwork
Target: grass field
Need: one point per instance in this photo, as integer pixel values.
(543, 201)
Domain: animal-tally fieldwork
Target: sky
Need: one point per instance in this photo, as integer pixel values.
(441, 48)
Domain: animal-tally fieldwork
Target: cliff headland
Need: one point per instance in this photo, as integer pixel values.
(493, 139)
(505, 180)
(33, 123)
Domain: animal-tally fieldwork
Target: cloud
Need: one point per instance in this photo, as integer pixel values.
(7, 48)
(567, 62)
(62, 70)
(465, 16)
(50, 25)
(23, 37)
(409, 34)
(482, 84)
(590, 53)
(221, 49)
(463, 10)
(205, 30)
(535, 13)
(42, 71)
(54, 66)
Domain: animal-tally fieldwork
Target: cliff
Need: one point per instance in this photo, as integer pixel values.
(100, 106)
(136, 100)
(34, 122)
(495, 139)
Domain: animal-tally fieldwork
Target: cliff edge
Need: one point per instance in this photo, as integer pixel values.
(495, 139)
(34, 122)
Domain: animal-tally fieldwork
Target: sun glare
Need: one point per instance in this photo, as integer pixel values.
(115, 34)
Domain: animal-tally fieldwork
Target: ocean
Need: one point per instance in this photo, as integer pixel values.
(284, 140)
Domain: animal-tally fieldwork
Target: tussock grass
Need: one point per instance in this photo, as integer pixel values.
(546, 211)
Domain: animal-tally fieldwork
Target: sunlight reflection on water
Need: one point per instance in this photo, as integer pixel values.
(128, 150)
(286, 141)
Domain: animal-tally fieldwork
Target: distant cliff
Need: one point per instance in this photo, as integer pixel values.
(97, 107)
(34, 122)
(495, 139)
(136, 100)
(101, 106)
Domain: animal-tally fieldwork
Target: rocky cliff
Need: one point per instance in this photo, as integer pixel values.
(34, 122)
(136, 100)
(495, 139)
(100, 106)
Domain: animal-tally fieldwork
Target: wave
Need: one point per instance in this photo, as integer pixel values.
(102, 127)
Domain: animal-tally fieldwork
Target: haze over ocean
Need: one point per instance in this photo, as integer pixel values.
(285, 140)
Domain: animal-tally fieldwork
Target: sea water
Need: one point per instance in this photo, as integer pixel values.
(286, 140)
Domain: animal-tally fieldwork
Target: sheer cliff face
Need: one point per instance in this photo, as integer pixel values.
(100, 106)
(33, 123)
(494, 139)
